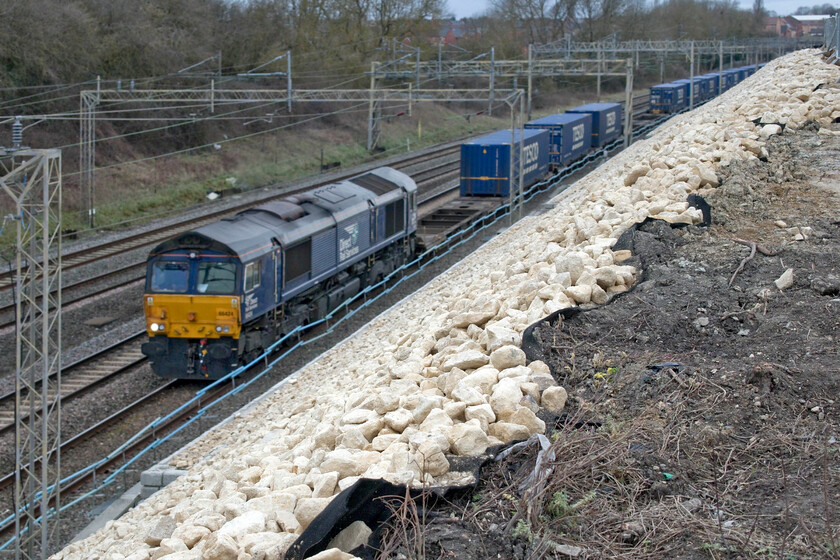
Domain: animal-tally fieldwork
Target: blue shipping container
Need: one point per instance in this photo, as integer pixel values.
(570, 136)
(730, 78)
(699, 88)
(606, 121)
(709, 86)
(485, 162)
(668, 98)
(713, 83)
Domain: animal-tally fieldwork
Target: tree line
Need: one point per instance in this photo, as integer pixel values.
(66, 41)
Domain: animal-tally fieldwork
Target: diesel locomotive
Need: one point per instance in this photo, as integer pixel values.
(217, 296)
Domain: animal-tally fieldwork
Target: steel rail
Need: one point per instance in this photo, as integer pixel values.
(82, 375)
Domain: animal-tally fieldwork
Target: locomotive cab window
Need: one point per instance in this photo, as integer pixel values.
(252, 276)
(216, 278)
(395, 217)
(170, 277)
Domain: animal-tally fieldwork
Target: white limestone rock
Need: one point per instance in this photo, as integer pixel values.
(483, 413)
(468, 439)
(507, 432)
(553, 399)
(580, 294)
(332, 554)
(468, 359)
(220, 547)
(308, 509)
(785, 281)
(398, 419)
(505, 398)
(430, 459)
(498, 336)
(354, 535)
(507, 357)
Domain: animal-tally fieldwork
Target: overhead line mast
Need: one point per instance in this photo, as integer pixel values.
(32, 180)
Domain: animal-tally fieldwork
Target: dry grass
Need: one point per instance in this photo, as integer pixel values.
(654, 487)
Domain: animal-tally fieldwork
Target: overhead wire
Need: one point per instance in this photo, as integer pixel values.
(226, 140)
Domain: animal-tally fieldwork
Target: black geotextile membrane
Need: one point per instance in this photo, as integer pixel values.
(372, 501)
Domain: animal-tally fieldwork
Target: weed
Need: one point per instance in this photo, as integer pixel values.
(559, 506)
(522, 531)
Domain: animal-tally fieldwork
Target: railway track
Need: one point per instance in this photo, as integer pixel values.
(79, 377)
(124, 355)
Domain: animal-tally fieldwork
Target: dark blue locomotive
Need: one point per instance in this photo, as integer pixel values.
(219, 295)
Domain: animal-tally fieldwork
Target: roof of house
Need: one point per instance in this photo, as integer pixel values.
(810, 19)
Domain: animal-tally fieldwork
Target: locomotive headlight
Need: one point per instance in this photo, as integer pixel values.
(154, 327)
(226, 328)
(218, 329)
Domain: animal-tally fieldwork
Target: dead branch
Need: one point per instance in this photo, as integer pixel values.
(760, 248)
(752, 247)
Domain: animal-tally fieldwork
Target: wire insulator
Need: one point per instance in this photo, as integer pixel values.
(17, 133)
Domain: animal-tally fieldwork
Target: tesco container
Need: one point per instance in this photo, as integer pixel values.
(699, 88)
(729, 79)
(709, 85)
(713, 78)
(668, 98)
(606, 121)
(570, 136)
(485, 162)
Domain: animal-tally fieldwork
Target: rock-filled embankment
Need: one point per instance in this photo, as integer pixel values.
(443, 374)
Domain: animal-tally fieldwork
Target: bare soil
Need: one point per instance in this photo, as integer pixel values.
(702, 416)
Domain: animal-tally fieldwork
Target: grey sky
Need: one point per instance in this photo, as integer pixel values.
(466, 8)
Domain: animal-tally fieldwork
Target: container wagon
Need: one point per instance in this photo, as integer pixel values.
(709, 86)
(730, 78)
(485, 161)
(698, 89)
(570, 136)
(713, 80)
(668, 98)
(606, 121)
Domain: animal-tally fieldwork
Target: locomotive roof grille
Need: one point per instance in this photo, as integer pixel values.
(375, 183)
(282, 209)
(333, 194)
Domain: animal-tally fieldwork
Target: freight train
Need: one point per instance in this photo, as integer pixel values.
(675, 96)
(218, 296)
